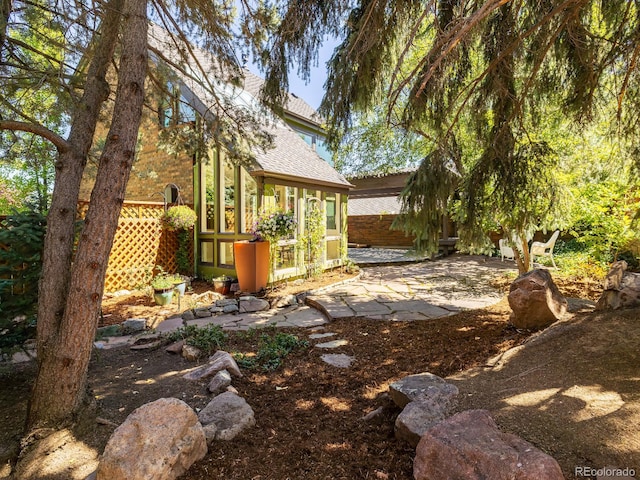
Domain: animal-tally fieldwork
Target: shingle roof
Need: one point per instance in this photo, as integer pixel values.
(290, 156)
(374, 205)
(294, 104)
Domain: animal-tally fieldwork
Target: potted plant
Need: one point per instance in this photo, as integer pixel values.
(163, 288)
(254, 258)
(179, 283)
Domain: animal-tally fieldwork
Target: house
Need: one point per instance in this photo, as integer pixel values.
(292, 176)
(374, 203)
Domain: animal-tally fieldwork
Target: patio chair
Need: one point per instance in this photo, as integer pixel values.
(505, 250)
(545, 249)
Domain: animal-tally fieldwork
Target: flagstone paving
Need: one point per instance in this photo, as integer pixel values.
(408, 292)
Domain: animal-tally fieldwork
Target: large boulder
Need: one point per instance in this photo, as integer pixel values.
(226, 416)
(470, 446)
(535, 300)
(621, 288)
(158, 441)
(418, 417)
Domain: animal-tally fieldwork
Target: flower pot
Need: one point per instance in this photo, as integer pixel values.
(222, 285)
(180, 288)
(252, 265)
(163, 297)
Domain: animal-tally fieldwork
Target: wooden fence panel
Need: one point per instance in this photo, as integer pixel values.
(140, 243)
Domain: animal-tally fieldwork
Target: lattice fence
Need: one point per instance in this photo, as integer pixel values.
(139, 245)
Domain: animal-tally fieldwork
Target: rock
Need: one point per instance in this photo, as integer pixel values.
(317, 336)
(286, 301)
(230, 308)
(229, 414)
(188, 315)
(219, 382)
(159, 440)
(339, 360)
(470, 446)
(253, 305)
(418, 417)
(191, 353)
(206, 298)
(218, 361)
(224, 302)
(332, 344)
(374, 415)
(535, 300)
(134, 325)
(145, 345)
(175, 347)
(423, 385)
(202, 312)
(621, 288)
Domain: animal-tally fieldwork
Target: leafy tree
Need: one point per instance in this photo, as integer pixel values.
(96, 38)
(493, 68)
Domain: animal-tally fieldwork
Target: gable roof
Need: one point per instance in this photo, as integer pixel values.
(291, 158)
(294, 105)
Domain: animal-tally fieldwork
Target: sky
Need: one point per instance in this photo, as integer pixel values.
(313, 91)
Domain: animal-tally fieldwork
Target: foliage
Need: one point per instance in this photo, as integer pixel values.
(311, 242)
(21, 241)
(482, 84)
(274, 226)
(273, 348)
(162, 282)
(179, 217)
(376, 146)
(183, 259)
(602, 221)
(207, 339)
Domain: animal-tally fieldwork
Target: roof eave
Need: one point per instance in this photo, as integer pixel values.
(341, 187)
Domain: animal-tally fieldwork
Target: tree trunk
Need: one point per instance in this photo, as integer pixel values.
(5, 11)
(69, 303)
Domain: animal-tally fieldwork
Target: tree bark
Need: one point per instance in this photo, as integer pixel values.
(5, 11)
(70, 295)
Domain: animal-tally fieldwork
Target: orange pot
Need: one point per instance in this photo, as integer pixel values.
(252, 265)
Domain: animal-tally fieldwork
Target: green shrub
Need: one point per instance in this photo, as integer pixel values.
(273, 347)
(22, 241)
(207, 339)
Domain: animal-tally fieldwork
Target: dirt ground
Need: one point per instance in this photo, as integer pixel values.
(572, 391)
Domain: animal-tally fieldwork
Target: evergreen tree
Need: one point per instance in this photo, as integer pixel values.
(496, 67)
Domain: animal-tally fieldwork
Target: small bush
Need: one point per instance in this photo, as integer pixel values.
(22, 241)
(207, 339)
(273, 347)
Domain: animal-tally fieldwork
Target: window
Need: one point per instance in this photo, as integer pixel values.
(332, 213)
(229, 201)
(209, 199)
(285, 256)
(174, 108)
(226, 253)
(206, 252)
(249, 199)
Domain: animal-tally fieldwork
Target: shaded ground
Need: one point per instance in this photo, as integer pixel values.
(309, 414)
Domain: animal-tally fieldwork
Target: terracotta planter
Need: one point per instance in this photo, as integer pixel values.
(252, 265)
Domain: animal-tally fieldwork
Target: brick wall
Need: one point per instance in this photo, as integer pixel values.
(375, 230)
(152, 170)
